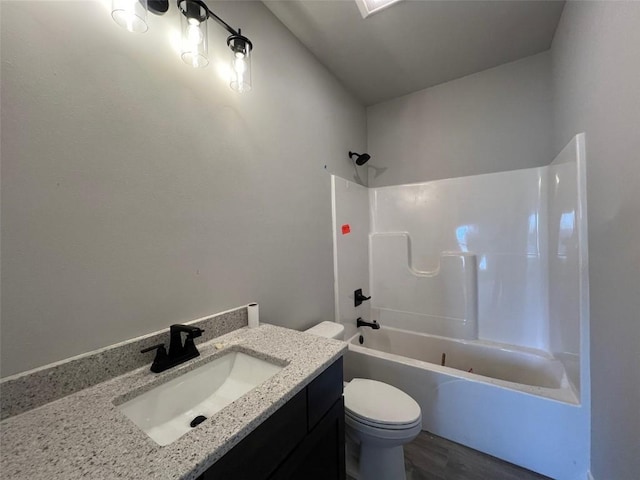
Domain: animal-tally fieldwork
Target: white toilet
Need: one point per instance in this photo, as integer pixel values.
(379, 417)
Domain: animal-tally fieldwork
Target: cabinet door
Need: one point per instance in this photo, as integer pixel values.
(266, 447)
(304, 440)
(321, 454)
(323, 392)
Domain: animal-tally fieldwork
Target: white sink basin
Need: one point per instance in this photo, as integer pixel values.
(166, 412)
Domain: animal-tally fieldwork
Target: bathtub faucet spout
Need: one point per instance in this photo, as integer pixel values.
(361, 323)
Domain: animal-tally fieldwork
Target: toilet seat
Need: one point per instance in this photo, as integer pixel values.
(380, 405)
(382, 426)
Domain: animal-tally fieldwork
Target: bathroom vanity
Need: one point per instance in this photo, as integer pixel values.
(290, 426)
(303, 439)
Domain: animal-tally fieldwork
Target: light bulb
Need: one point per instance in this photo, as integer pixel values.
(194, 34)
(239, 65)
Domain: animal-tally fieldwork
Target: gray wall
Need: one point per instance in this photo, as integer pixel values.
(138, 192)
(596, 71)
(498, 119)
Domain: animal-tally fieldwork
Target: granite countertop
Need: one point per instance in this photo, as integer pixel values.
(83, 435)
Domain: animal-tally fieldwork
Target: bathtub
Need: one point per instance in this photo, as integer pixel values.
(513, 403)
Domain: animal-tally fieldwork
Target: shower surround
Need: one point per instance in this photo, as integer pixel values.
(496, 260)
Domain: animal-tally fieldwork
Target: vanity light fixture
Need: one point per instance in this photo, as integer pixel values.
(240, 62)
(132, 15)
(194, 33)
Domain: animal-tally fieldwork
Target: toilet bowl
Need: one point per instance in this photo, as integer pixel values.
(379, 419)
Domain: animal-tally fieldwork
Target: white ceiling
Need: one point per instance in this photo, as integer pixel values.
(416, 44)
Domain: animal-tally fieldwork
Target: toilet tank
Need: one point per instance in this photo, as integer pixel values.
(328, 330)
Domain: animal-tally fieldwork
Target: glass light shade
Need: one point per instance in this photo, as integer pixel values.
(240, 66)
(195, 45)
(130, 14)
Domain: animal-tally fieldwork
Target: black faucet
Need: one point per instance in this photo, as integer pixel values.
(361, 323)
(179, 352)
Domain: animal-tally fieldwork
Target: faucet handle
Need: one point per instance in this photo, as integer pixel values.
(358, 297)
(158, 347)
(161, 357)
(190, 330)
(196, 332)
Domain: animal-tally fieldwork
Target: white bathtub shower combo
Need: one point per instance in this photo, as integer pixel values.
(480, 286)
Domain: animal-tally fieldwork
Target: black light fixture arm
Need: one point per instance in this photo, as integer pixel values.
(160, 7)
(235, 34)
(224, 24)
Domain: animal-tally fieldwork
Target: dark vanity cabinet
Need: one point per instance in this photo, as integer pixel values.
(304, 439)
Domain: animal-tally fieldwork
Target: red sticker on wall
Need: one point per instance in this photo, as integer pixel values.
(346, 229)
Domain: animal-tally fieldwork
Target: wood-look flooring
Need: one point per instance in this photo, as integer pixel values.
(430, 457)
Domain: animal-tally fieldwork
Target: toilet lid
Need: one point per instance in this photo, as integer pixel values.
(328, 330)
(379, 403)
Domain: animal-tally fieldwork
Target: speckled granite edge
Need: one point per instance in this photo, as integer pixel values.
(23, 392)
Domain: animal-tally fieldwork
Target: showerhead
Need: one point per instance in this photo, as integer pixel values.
(361, 158)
